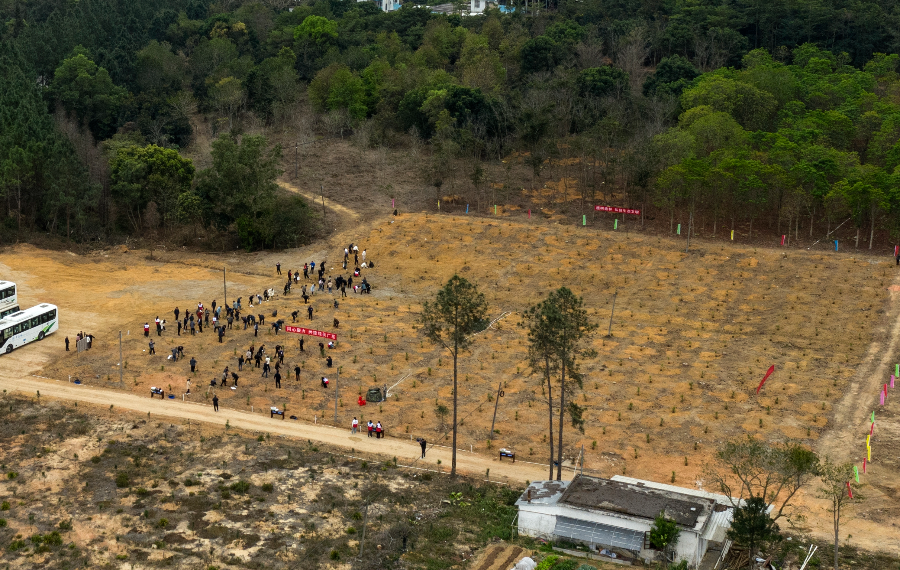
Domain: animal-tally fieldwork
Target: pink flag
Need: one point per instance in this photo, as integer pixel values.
(892, 380)
(882, 398)
(766, 377)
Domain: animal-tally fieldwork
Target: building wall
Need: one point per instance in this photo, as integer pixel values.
(538, 522)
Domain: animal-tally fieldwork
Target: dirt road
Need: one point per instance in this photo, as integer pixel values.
(406, 452)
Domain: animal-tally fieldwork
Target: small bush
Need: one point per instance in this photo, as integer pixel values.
(95, 459)
(163, 523)
(267, 487)
(190, 482)
(141, 492)
(547, 563)
(122, 479)
(350, 530)
(12, 475)
(16, 545)
(240, 486)
(65, 525)
(4, 506)
(226, 494)
(3, 523)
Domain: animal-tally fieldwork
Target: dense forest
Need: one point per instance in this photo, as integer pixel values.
(784, 114)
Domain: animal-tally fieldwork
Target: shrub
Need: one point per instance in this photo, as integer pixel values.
(4, 506)
(240, 486)
(163, 523)
(2, 523)
(65, 525)
(122, 479)
(547, 563)
(95, 459)
(16, 545)
(267, 487)
(12, 475)
(335, 555)
(566, 565)
(141, 492)
(350, 530)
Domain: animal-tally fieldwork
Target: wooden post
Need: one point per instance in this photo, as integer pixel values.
(609, 332)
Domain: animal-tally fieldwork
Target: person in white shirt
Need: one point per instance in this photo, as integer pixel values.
(354, 425)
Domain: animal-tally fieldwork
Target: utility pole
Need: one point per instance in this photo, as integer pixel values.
(225, 284)
(609, 332)
(121, 362)
(496, 404)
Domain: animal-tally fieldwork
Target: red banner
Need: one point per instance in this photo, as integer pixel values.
(766, 377)
(617, 210)
(310, 332)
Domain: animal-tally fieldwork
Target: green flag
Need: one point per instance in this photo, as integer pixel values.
(856, 472)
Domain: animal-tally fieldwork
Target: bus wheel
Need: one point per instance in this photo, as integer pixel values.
(41, 335)
(9, 348)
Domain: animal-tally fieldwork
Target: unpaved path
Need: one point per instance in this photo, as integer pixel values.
(407, 453)
(316, 199)
(852, 412)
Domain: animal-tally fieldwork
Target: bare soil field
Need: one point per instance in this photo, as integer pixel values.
(692, 335)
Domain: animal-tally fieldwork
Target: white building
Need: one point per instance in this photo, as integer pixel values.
(389, 5)
(477, 6)
(617, 514)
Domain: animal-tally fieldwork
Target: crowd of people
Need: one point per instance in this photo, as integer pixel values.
(225, 319)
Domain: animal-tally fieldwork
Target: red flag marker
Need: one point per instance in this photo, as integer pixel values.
(849, 490)
(864, 464)
(766, 377)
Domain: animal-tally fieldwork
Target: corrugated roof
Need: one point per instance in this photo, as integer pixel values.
(596, 533)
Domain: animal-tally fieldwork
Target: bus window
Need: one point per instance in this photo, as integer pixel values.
(53, 314)
(7, 293)
(35, 322)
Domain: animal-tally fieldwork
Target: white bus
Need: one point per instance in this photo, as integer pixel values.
(9, 301)
(18, 329)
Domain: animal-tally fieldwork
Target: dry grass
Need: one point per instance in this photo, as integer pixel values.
(693, 335)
